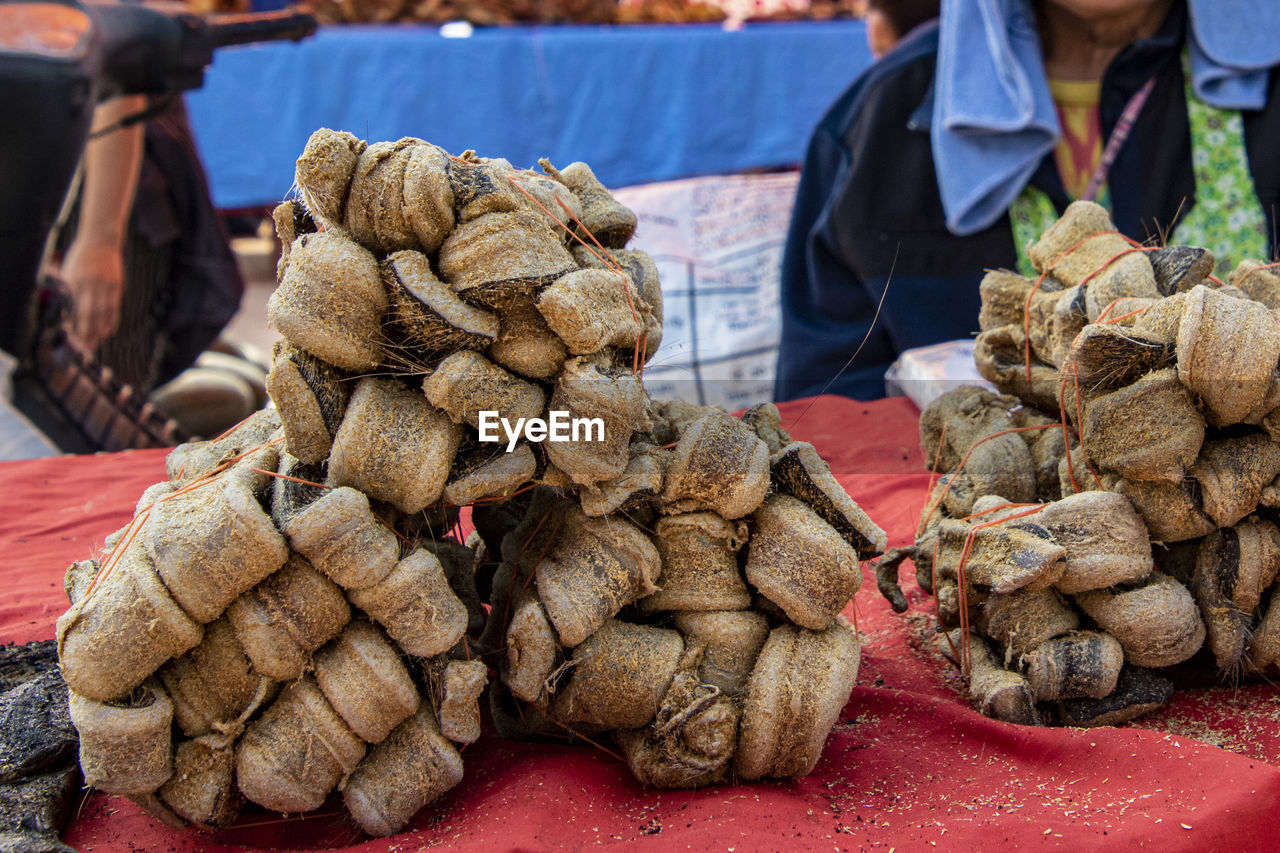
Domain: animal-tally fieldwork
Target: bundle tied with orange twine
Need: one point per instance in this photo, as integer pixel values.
(1161, 387)
(300, 587)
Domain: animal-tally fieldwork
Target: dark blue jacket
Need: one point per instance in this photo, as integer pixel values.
(868, 222)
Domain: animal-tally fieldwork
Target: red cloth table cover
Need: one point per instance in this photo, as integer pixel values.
(909, 765)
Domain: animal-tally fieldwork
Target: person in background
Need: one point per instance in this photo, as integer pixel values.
(149, 270)
(890, 21)
(951, 154)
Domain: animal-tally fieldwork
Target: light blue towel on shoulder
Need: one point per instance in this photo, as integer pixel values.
(994, 118)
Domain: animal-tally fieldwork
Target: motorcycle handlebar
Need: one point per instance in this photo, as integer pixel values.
(225, 30)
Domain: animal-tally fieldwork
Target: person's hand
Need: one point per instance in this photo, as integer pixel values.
(94, 272)
(94, 265)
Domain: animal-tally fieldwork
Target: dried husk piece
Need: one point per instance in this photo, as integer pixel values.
(203, 788)
(311, 397)
(719, 464)
(1264, 645)
(341, 537)
(1267, 413)
(799, 471)
(362, 676)
(1180, 268)
(1160, 320)
(1258, 281)
(1000, 357)
(1138, 692)
(1157, 624)
(1005, 295)
(801, 681)
(549, 197)
(211, 684)
(110, 640)
(125, 744)
(691, 740)
(481, 185)
(291, 757)
(412, 767)
(401, 197)
(427, 312)
(324, 171)
(699, 564)
(644, 275)
(1150, 430)
(1085, 663)
(1000, 467)
(525, 343)
(593, 567)
(330, 301)
(1083, 248)
(487, 259)
(640, 483)
(1231, 565)
(416, 605)
(1004, 557)
(1012, 299)
(292, 220)
(731, 639)
(466, 384)
(584, 390)
(1171, 512)
(766, 421)
(532, 651)
(672, 418)
(1106, 357)
(962, 417)
(1259, 561)
(282, 620)
(1230, 377)
(603, 218)
(393, 445)
(996, 692)
(194, 460)
(213, 543)
(1232, 473)
(1021, 620)
(489, 474)
(619, 676)
(590, 309)
(1105, 539)
(801, 563)
(463, 682)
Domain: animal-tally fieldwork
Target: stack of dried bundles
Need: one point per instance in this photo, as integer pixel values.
(689, 610)
(1091, 555)
(287, 615)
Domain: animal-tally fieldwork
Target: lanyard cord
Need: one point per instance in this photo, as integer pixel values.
(1118, 136)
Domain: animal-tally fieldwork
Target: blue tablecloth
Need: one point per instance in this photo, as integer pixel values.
(639, 103)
